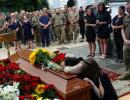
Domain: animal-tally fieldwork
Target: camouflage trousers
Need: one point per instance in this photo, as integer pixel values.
(126, 58)
(60, 32)
(73, 31)
(37, 35)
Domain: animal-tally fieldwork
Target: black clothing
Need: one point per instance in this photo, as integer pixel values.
(81, 23)
(109, 92)
(90, 31)
(27, 31)
(117, 21)
(103, 30)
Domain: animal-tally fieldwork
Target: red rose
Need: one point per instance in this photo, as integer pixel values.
(1, 65)
(27, 78)
(50, 86)
(17, 77)
(13, 66)
(33, 84)
(2, 69)
(21, 97)
(26, 88)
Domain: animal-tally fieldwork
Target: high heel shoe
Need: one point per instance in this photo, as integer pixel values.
(89, 55)
(93, 55)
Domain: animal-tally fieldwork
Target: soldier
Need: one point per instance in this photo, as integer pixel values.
(59, 24)
(66, 12)
(3, 25)
(126, 38)
(35, 25)
(73, 18)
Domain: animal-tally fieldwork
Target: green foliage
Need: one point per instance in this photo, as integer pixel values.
(28, 5)
(42, 58)
(71, 3)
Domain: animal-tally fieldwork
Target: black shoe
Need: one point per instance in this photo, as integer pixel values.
(116, 60)
(81, 41)
(120, 61)
(47, 45)
(43, 45)
(89, 55)
(93, 55)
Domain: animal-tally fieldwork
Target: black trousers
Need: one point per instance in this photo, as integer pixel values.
(45, 37)
(118, 44)
(82, 29)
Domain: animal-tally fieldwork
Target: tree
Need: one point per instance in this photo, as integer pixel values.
(71, 3)
(43, 3)
(28, 5)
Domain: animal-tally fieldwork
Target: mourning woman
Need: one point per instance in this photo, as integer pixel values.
(90, 31)
(15, 29)
(117, 26)
(28, 31)
(90, 71)
(103, 21)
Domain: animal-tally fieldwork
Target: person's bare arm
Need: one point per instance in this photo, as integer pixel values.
(74, 69)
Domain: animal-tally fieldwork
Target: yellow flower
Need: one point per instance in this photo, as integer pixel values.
(40, 98)
(46, 99)
(32, 57)
(35, 96)
(45, 50)
(40, 88)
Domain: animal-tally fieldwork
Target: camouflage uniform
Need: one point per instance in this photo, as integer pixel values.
(2, 21)
(73, 18)
(66, 25)
(59, 25)
(126, 53)
(35, 24)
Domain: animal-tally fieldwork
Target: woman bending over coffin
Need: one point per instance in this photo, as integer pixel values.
(90, 71)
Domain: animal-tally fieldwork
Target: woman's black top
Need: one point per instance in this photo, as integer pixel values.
(90, 31)
(103, 30)
(117, 21)
(109, 92)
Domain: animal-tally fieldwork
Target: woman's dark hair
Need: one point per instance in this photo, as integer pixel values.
(102, 4)
(122, 7)
(91, 69)
(72, 61)
(91, 10)
(89, 6)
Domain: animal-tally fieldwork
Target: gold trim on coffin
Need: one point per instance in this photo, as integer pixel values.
(8, 38)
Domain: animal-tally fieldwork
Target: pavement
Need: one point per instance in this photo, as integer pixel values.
(80, 49)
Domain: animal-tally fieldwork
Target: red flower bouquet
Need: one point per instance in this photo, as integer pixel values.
(59, 58)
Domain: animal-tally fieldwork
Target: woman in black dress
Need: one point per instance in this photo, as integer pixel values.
(90, 31)
(28, 31)
(15, 28)
(103, 21)
(90, 71)
(117, 26)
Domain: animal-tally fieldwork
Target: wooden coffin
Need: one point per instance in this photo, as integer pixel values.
(68, 86)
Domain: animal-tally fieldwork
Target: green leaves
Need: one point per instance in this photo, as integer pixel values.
(17, 5)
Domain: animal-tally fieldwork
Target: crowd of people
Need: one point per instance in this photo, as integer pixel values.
(63, 25)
